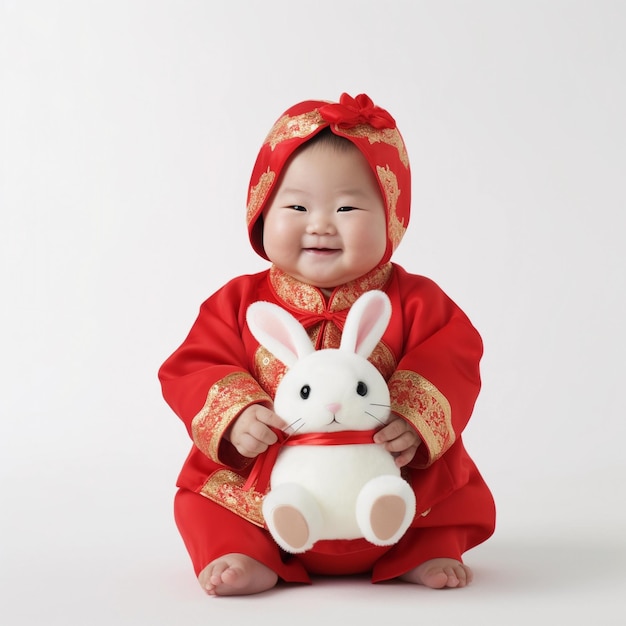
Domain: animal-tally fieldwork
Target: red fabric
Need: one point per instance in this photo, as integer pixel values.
(427, 333)
(210, 531)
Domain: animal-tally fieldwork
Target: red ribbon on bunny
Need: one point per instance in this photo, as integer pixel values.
(259, 476)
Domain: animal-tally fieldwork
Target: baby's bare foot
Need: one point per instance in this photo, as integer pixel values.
(236, 575)
(440, 573)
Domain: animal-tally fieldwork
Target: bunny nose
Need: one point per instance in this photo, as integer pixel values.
(333, 407)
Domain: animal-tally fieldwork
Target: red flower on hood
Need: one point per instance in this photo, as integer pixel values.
(349, 112)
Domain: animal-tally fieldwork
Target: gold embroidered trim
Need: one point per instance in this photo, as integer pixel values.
(225, 400)
(288, 127)
(258, 193)
(226, 488)
(421, 403)
(293, 292)
(308, 298)
(346, 295)
(268, 370)
(383, 359)
(395, 227)
(389, 136)
(331, 337)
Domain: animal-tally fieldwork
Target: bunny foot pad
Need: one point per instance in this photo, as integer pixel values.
(387, 517)
(291, 526)
(384, 510)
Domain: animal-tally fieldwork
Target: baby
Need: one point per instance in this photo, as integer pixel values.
(328, 203)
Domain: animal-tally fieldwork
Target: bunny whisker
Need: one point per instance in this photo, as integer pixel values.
(293, 423)
(387, 406)
(374, 417)
(296, 429)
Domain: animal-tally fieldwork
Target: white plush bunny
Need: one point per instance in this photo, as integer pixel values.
(336, 490)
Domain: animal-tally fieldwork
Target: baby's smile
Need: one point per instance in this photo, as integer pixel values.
(322, 251)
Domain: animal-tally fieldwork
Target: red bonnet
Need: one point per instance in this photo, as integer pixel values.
(370, 128)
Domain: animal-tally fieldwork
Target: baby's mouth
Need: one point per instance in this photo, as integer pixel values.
(322, 251)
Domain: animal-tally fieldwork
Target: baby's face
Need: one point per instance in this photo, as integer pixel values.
(325, 223)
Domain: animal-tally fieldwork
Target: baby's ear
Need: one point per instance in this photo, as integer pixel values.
(279, 331)
(366, 323)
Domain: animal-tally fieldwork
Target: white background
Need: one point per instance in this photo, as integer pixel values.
(128, 131)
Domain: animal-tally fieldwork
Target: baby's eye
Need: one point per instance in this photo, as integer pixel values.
(361, 388)
(305, 392)
(345, 209)
(297, 207)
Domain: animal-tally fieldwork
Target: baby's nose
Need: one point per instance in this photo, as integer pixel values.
(320, 224)
(333, 407)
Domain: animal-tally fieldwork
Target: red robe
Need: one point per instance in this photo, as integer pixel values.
(429, 355)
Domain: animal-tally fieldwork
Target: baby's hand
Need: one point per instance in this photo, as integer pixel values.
(251, 433)
(399, 438)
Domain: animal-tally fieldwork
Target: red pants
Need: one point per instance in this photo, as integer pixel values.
(210, 531)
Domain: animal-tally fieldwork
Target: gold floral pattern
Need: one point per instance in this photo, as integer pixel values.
(288, 127)
(395, 227)
(347, 294)
(309, 298)
(331, 337)
(258, 193)
(226, 488)
(296, 293)
(225, 400)
(384, 361)
(389, 136)
(268, 370)
(421, 403)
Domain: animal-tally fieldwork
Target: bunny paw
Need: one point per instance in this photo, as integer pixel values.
(385, 508)
(292, 517)
(291, 526)
(387, 516)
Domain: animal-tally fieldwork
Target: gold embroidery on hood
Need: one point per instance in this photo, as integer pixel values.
(288, 127)
(258, 193)
(389, 136)
(389, 181)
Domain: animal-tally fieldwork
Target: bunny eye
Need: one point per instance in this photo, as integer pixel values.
(361, 388)
(305, 392)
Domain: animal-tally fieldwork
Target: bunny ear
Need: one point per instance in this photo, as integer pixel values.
(279, 331)
(366, 323)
